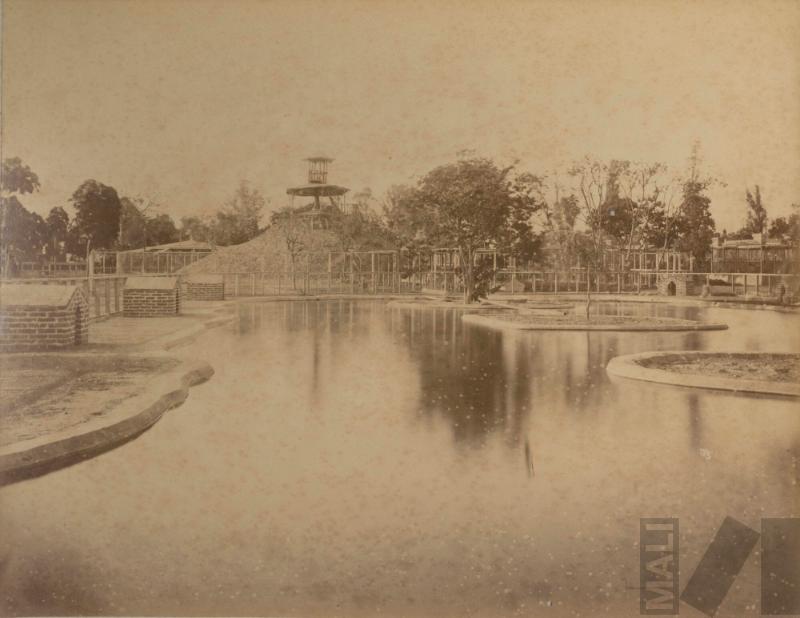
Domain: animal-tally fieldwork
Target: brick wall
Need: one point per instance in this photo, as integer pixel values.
(37, 327)
(199, 290)
(150, 303)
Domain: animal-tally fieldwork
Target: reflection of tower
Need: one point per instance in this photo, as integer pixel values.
(318, 212)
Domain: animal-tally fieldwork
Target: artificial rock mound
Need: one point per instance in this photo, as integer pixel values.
(267, 253)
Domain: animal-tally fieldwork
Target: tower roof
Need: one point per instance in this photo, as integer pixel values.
(322, 190)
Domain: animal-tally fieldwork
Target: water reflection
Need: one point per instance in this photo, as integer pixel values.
(350, 458)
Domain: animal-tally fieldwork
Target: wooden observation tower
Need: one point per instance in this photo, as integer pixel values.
(319, 211)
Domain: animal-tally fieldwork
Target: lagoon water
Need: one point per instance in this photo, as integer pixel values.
(350, 458)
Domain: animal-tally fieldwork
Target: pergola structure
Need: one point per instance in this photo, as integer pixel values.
(318, 188)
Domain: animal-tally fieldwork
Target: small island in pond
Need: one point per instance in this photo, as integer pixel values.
(749, 366)
(743, 372)
(544, 319)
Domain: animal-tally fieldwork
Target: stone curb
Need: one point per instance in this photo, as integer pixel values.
(491, 322)
(30, 458)
(721, 302)
(628, 366)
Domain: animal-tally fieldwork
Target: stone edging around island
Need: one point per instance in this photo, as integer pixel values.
(629, 366)
(679, 326)
(433, 304)
(414, 303)
(30, 458)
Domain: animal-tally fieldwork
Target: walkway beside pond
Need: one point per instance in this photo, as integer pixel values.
(95, 395)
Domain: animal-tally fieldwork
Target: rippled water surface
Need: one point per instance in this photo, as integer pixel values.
(355, 459)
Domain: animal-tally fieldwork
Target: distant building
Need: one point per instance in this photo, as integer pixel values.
(755, 255)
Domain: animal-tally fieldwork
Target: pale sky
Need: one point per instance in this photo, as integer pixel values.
(181, 99)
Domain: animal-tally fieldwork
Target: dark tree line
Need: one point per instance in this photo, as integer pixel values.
(105, 220)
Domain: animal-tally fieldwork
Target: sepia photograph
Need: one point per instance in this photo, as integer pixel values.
(413, 309)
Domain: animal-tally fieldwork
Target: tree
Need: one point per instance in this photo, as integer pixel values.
(132, 225)
(17, 177)
(57, 226)
(473, 204)
(517, 238)
(787, 226)
(238, 220)
(195, 228)
(161, 230)
(405, 217)
(22, 234)
(756, 213)
(363, 201)
(694, 223)
(97, 215)
(294, 232)
(560, 215)
(592, 178)
(641, 186)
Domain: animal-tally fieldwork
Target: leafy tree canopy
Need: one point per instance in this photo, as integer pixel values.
(238, 220)
(97, 208)
(469, 205)
(18, 177)
(756, 212)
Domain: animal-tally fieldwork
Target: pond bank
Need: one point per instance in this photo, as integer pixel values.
(62, 407)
